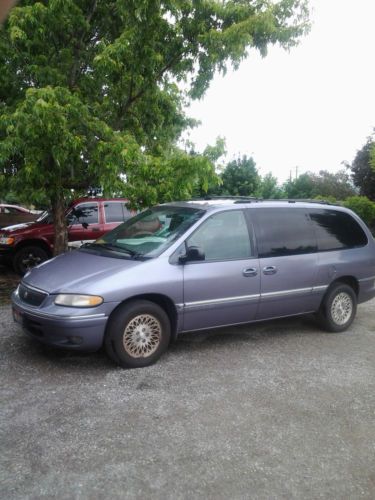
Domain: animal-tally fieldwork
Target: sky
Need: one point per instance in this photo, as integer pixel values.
(307, 109)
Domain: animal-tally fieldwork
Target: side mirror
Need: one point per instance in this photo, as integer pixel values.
(85, 225)
(193, 254)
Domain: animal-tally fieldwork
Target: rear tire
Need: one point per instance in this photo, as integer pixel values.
(28, 257)
(338, 308)
(137, 334)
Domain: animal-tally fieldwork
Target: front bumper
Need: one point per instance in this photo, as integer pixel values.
(81, 332)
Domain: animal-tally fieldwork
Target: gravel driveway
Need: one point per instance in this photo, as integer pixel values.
(275, 410)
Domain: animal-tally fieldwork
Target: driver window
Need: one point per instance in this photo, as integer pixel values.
(84, 213)
(223, 236)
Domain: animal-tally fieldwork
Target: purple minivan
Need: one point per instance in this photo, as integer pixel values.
(195, 265)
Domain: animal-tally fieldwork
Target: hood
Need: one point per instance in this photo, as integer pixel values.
(25, 227)
(18, 227)
(77, 272)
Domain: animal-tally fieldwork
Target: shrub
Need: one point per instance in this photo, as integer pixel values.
(363, 207)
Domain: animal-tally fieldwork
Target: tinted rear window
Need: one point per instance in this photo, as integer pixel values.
(284, 231)
(337, 230)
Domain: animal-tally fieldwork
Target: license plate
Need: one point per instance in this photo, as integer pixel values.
(17, 316)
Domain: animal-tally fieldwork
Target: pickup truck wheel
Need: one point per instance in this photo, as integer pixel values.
(338, 308)
(28, 257)
(137, 334)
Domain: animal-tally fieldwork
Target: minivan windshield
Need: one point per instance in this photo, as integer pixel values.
(149, 233)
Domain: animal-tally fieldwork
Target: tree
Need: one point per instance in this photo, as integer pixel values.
(328, 184)
(89, 89)
(240, 178)
(363, 174)
(324, 185)
(302, 187)
(363, 207)
(269, 188)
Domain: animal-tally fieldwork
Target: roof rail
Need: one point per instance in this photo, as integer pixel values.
(238, 199)
(251, 199)
(301, 200)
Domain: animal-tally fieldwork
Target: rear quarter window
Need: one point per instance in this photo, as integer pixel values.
(116, 212)
(337, 230)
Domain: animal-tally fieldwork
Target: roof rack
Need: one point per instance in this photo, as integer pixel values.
(238, 199)
(254, 199)
(301, 200)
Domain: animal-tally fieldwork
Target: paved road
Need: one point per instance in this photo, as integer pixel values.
(276, 410)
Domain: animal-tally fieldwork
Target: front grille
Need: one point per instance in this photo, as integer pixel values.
(31, 296)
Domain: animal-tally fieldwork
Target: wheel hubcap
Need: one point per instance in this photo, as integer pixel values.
(142, 336)
(341, 308)
(31, 260)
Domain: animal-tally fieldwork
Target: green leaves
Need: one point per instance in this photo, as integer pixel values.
(363, 169)
(89, 90)
(240, 178)
(372, 157)
(173, 177)
(62, 144)
(324, 184)
(363, 207)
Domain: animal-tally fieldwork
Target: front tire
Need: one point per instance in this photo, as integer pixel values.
(28, 257)
(137, 334)
(338, 308)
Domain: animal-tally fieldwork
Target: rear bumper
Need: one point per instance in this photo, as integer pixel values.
(80, 333)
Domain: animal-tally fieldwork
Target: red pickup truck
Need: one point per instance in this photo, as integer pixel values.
(29, 244)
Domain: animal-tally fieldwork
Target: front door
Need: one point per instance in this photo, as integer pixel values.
(83, 224)
(224, 288)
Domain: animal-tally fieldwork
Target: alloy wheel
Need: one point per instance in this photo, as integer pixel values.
(142, 336)
(341, 308)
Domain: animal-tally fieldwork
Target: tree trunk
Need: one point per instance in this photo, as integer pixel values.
(59, 220)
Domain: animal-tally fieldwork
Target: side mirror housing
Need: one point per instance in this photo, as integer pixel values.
(85, 225)
(193, 254)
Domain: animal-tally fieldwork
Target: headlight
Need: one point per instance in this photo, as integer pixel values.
(70, 300)
(6, 240)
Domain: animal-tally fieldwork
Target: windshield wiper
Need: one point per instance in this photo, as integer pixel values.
(93, 244)
(114, 247)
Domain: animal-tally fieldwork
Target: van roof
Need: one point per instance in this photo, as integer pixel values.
(220, 201)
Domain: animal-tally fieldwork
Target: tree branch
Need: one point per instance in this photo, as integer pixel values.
(142, 90)
(78, 47)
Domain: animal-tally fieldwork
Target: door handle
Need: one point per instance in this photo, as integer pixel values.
(95, 229)
(250, 271)
(269, 270)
